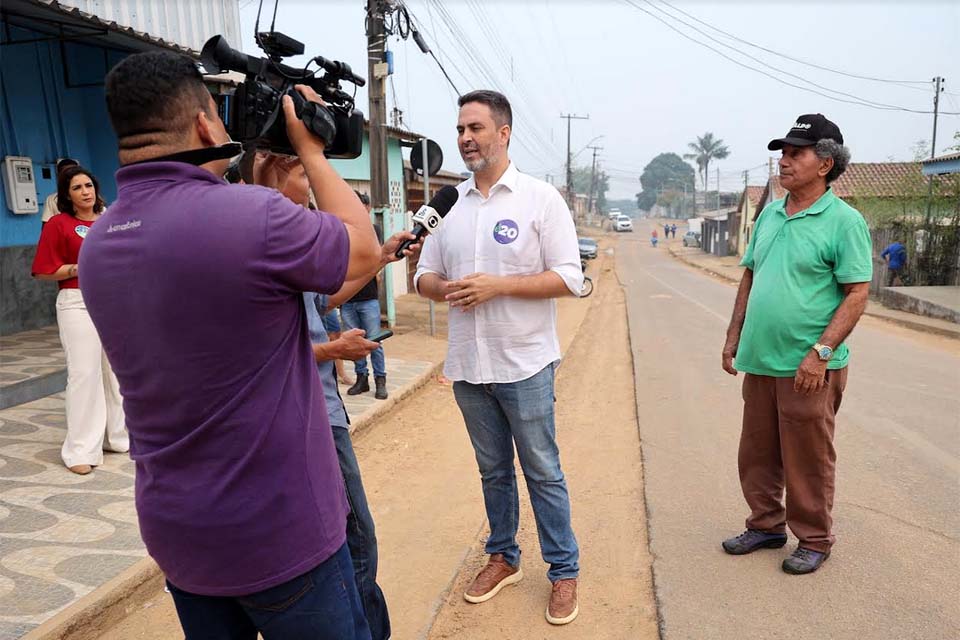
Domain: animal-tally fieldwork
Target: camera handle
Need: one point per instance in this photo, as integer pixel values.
(315, 116)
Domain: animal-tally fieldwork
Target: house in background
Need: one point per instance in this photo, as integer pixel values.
(768, 193)
(715, 237)
(356, 172)
(741, 220)
(54, 58)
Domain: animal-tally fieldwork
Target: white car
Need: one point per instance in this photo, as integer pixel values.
(622, 223)
(613, 214)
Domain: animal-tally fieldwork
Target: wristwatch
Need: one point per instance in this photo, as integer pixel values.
(823, 351)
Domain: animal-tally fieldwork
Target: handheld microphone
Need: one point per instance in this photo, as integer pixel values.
(429, 218)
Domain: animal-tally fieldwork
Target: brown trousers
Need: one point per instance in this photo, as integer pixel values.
(787, 440)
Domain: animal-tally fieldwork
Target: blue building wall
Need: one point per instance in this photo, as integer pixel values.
(43, 118)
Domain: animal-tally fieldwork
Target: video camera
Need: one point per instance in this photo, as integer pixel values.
(254, 113)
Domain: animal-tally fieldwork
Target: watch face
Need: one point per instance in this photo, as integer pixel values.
(825, 352)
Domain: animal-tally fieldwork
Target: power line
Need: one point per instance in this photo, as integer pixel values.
(858, 101)
(798, 60)
(764, 63)
(520, 139)
(468, 50)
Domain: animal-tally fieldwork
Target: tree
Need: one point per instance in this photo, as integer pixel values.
(581, 184)
(706, 149)
(666, 171)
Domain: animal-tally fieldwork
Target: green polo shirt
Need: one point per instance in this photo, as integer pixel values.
(799, 266)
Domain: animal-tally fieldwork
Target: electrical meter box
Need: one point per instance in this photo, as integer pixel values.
(20, 185)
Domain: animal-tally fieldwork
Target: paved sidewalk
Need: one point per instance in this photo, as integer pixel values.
(30, 354)
(729, 269)
(63, 535)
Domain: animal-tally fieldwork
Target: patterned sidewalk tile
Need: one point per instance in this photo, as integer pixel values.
(63, 535)
(30, 354)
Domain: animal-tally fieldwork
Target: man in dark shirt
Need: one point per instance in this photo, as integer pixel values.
(362, 311)
(195, 287)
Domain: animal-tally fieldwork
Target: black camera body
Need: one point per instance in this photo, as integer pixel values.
(254, 115)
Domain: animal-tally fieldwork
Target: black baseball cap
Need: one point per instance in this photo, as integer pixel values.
(808, 130)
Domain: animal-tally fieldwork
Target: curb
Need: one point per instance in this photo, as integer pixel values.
(104, 607)
(366, 420)
(917, 326)
(716, 274)
(907, 324)
(93, 614)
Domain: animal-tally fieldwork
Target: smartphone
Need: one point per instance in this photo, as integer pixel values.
(381, 336)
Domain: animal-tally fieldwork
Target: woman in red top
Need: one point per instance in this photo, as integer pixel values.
(93, 402)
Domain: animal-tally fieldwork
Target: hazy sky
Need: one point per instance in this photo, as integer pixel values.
(646, 88)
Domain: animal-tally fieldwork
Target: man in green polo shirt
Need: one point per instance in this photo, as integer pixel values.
(805, 286)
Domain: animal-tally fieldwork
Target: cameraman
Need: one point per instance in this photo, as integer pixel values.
(194, 286)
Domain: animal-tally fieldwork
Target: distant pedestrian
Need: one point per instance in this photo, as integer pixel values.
(666, 231)
(653, 238)
(808, 270)
(673, 230)
(895, 256)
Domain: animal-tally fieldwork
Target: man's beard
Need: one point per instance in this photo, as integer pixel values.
(486, 158)
(479, 164)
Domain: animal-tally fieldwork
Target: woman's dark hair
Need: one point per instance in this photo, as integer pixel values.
(64, 203)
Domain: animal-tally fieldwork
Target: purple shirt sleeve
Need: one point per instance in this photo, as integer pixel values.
(305, 250)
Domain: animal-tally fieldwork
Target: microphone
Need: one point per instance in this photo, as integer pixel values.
(429, 218)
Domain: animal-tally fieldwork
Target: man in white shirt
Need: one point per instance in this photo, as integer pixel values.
(50, 206)
(505, 250)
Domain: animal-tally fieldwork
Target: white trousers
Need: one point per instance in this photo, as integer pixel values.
(94, 405)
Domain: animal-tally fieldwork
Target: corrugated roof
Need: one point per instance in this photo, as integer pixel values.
(876, 179)
(34, 14)
(949, 156)
(189, 23)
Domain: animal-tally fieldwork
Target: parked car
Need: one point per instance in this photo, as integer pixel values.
(623, 223)
(588, 248)
(691, 239)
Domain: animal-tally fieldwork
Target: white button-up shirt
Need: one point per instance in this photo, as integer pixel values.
(523, 228)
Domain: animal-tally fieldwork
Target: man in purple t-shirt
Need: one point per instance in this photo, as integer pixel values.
(195, 288)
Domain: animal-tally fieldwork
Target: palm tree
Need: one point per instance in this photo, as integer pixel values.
(706, 148)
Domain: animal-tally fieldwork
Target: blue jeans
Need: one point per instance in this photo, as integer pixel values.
(365, 315)
(497, 416)
(321, 604)
(362, 539)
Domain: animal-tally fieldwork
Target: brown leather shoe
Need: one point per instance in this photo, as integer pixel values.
(563, 607)
(493, 577)
(81, 469)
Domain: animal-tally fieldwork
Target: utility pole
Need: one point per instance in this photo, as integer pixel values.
(593, 179)
(939, 80)
(377, 73)
(571, 198)
(718, 188)
(379, 174)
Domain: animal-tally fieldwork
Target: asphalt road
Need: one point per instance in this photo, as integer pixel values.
(893, 573)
